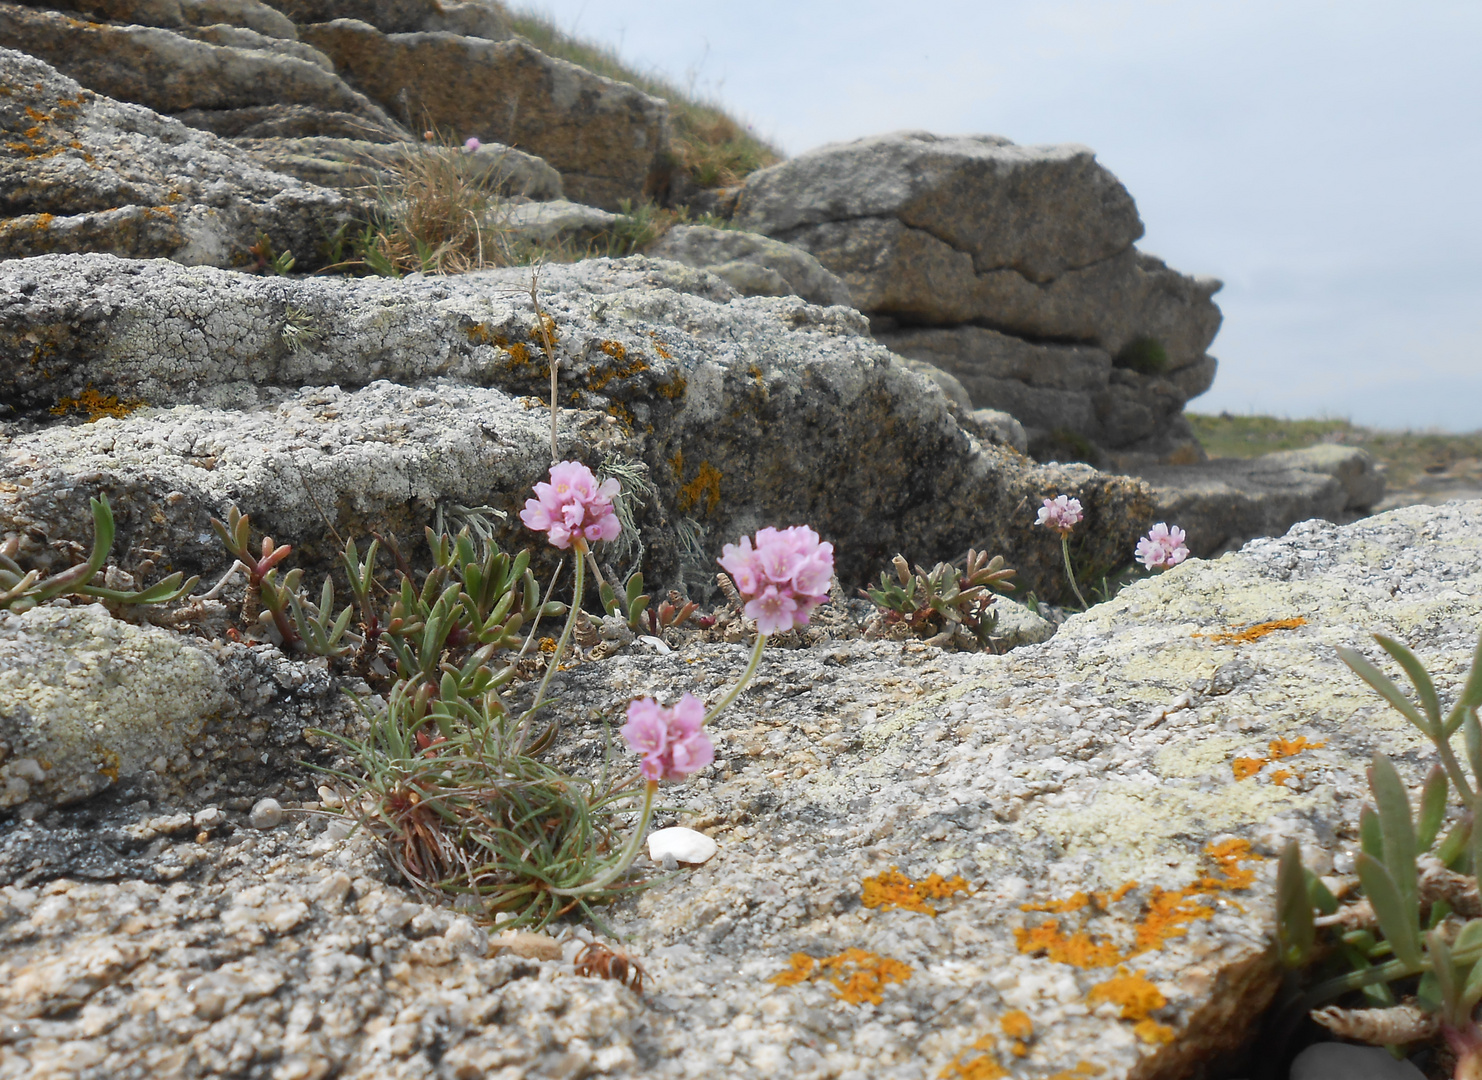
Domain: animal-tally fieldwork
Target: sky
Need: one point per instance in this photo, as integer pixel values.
(1323, 159)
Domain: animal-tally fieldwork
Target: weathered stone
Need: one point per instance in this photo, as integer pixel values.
(748, 411)
(354, 163)
(291, 122)
(171, 73)
(241, 38)
(81, 172)
(556, 223)
(753, 264)
(1002, 428)
(1223, 502)
(175, 14)
(87, 700)
(472, 18)
(604, 137)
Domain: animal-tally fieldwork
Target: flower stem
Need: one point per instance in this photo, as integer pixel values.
(628, 854)
(1065, 550)
(756, 658)
(555, 661)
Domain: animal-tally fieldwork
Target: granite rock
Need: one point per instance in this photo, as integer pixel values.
(178, 14)
(82, 172)
(606, 138)
(754, 265)
(474, 18)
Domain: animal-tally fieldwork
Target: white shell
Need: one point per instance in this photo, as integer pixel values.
(683, 845)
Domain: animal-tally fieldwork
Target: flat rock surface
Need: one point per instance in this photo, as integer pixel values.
(1086, 792)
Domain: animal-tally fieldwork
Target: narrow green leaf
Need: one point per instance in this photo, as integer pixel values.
(1319, 895)
(1371, 840)
(1471, 991)
(1386, 689)
(1294, 929)
(1455, 850)
(1398, 922)
(1448, 984)
(1471, 693)
(1419, 677)
(1475, 844)
(1468, 943)
(1432, 808)
(1472, 735)
(1395, 823)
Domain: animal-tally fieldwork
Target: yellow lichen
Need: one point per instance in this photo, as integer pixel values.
(983, 1066)
(1246, 767)
(674, 388)
(1081, 1070)
(705, 485)
(96, 406)
(1252, 633)
(615, 350)
(858, 976)
(1016, 1024)
(892, 889)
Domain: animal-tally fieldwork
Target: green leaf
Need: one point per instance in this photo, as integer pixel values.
(1393, 803)
(1387, 690)
(1475, 845)
(1455, 850)
(1468, 943)
(1448, 983)
(1294, 929)
(608, 597)
(1398, 921)
(1471, 694)
(1371, 840)
(1432, 808)
(1419, 677)
(1472, 734)
(1319, 895)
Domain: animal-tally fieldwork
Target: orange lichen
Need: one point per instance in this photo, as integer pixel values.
(1253, 633)
(1138, 998)
(677, 463)
(892, 889)
(983, 1066)
(1081, 1070)
(1167, 913)
(602, 378)
(1016, 1024)
(519, 353)
(545, 331)
(1246, 767)
(1285, 748)
(659, 346)
(1152, 1032)
(615, 350)
(705, 485)
(858, 976)
(1281, 776)
(96, 406)
(674, 388)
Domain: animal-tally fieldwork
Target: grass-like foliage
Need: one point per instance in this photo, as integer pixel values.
(1421, 914)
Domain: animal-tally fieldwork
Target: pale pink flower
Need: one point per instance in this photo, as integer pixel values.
(783, 578)
(573, 506)
(671, 742)
(471, 146)
(1163, 547)
(1060, 513)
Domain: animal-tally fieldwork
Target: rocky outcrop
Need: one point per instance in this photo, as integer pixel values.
(81, 172)
(752, 264)
(606, 138)
(473, 18)
(1013, 268)
(1100, 763)
(180, 14)
(264, 391)
(206, 84)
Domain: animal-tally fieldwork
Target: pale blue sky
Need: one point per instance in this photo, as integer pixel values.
(1324, 159)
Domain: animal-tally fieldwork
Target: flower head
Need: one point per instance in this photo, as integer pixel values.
(671, 742)
(471, 146)
(1060, 513)
(573, 506)
(1162, 547)
(783, 578)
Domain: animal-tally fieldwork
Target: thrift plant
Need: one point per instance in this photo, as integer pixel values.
(1061, 514)
(1162, 548)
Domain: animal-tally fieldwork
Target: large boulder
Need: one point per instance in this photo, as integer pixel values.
(979, 255)
(606, 138)
(747, 412)
(752, 264)
(171, 73)
(82, 172)
(1112, 800)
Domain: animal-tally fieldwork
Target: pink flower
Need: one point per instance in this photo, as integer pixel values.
(1060, 513)
(672, 742)
(572, 506)
(783, 578)
(471, 146)
(1162, 547)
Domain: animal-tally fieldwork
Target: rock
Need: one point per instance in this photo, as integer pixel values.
(209, 818)
(1224, 502)
(1018, 626)
(1097, 759)
(977, 255)
(556, 223)
(681, 845)
(1002, 428)
(948, 383)
(1340, 1061)
(81, 172)
(752, 264)
(606, 138)
(240, 38)
(171, 73)
(357, 163)
(527, 945)
(177, 14)
(747, 411)
(473, 18)
(266, 814)
(87, 700)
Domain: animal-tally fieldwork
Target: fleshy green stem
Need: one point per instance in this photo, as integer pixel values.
(628, 854)
(756, 658)
(1065, 550)
(555, 661)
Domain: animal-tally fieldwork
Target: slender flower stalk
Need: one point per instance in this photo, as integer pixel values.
(1061, 514)
(1065, 551)
(555, 659)
(735, 691)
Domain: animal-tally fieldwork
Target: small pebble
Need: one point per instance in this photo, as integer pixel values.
(266, 814)
(1340, 1061)
(680, 845)
(524, 944)
(209, 818)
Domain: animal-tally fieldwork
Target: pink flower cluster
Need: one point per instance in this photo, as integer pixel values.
(672, 742)
(1060, 513)
(1162, 547)
(471, 146)
(783, 578)
(573, 507)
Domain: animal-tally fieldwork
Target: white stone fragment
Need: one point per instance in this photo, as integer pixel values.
(266, 814)
(681, 844)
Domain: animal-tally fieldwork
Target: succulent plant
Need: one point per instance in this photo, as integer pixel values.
(944, 603)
